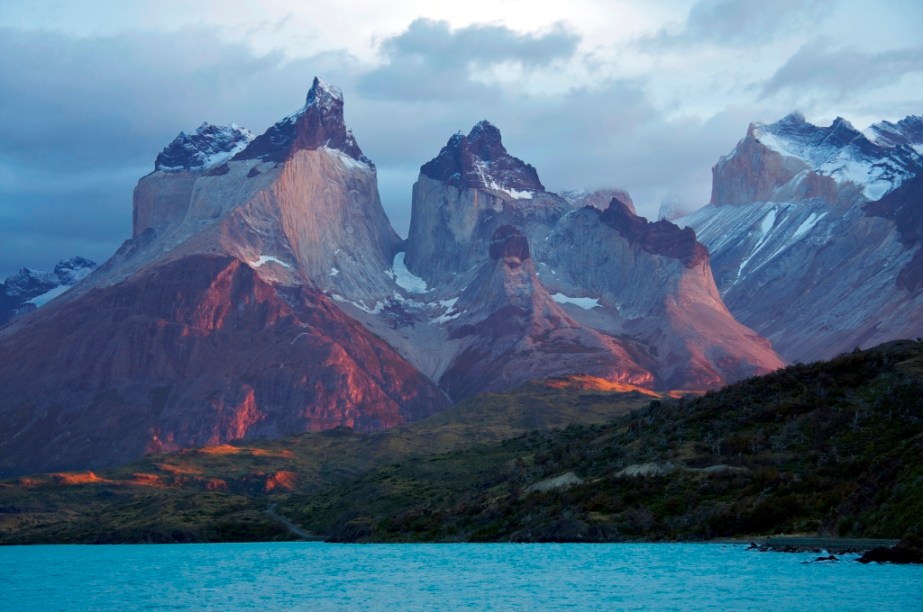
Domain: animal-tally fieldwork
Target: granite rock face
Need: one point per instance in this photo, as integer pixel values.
(815, 234)
(198, 351)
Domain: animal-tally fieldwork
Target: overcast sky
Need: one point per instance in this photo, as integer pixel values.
(635, 94)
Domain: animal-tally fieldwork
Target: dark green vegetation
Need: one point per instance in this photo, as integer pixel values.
(832, 448)
(223, 493)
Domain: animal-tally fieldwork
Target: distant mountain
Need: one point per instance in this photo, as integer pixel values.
(815, 233)
(28, 289)
(598, 199)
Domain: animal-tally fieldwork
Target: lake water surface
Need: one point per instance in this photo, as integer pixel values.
(315, 576)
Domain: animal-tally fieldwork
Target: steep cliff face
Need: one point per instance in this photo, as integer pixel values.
(463, 195)
(510, 330)
(301, 198)
(812, 234)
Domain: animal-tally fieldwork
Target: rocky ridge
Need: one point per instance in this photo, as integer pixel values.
(638, 298)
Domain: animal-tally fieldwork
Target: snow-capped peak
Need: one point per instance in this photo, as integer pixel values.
(210, 145)
(842, 152)
(317, 124)
(38, 286)
(323, 94)
(908, 132)
(479, 160)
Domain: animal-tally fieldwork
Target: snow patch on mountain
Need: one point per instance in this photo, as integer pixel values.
(264, 259)
(404, 278)
(376, 309)
(878, 161)
(765, 228)
(348, 161)
(483, 168)
(41, 300)
(586, 303)
(807, 225)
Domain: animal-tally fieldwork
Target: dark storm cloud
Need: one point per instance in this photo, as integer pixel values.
(431, 61)
(84, 118)
(841, 71)
(740, 22)
(610, 134)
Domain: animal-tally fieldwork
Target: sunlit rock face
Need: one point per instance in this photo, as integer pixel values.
(303, 193)
(814, 234)
(195, 352)
(511, 330)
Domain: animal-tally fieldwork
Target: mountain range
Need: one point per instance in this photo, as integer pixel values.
(815, 234)
(264, 293)
(29, 289)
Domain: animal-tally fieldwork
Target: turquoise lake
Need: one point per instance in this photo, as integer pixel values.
(317, 576)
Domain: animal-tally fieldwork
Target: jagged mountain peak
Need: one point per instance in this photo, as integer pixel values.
(480, 161)
(658, 238)
(317, 124)
(795, 135)
(324, 95)
(877, 161)
(71, 270)
(28, 289)
(210, 145)
(908, 132)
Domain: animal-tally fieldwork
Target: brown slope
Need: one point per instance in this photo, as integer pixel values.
(512, 331)
(198, 351)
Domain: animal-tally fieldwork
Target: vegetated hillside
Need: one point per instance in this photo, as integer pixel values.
(832, 447)
(222, 493)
